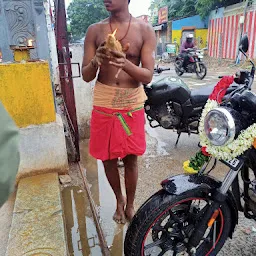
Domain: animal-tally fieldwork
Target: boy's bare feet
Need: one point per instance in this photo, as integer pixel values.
(129, 212)
(119, 216)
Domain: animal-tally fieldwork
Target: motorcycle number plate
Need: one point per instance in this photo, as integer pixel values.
(234, 164)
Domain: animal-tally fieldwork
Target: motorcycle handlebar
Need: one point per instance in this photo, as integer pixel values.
(243, 77)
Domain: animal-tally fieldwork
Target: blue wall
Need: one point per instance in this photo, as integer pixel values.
(194, 21)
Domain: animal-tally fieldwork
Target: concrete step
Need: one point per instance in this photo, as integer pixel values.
(37, 226)
(6, 212)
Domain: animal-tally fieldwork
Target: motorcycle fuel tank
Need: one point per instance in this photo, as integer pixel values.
(168, 89)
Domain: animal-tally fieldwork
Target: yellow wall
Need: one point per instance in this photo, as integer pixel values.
(202, 33)
(176, 34)
(26, 92)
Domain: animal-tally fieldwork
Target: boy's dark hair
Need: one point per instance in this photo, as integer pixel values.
(129, 1)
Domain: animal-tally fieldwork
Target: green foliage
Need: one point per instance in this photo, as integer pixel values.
(198, 161)
(204, 7)
(68, 28)
(184, 8)
(176, 8)
(83, 13)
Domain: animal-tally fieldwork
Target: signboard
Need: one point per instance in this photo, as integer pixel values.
(171, 48)
(163, 15)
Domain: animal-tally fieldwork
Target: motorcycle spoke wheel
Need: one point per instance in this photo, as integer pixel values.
(202, 71)
(171, 230)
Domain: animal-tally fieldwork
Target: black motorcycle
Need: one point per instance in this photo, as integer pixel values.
(195, 64)
(195, 214)
(172, 105)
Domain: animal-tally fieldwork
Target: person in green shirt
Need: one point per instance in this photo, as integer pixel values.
(9, 154)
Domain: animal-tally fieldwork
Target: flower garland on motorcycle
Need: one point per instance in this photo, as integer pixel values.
(227, 152)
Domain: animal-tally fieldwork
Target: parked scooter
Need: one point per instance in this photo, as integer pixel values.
(195, 64)
(195, 214)
(172, 105)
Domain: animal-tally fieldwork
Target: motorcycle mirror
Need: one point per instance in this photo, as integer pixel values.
(244, 44)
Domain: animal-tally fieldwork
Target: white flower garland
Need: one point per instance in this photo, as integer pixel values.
(236, 148)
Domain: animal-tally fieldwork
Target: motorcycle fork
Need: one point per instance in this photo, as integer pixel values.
(237, 194)
(197, 66)
(218, 197)
(246, 180)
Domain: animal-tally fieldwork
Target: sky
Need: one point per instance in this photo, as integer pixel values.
(137, 7)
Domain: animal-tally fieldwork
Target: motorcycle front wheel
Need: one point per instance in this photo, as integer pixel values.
(164, 224)
(201, 70)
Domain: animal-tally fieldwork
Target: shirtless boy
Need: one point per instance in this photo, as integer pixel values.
(117, 124)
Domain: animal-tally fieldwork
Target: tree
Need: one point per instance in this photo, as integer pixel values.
(176, 8)
(204, 7)
(83, 13)
(184, 8)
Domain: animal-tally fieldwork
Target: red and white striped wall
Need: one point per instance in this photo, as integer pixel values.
(224, 35)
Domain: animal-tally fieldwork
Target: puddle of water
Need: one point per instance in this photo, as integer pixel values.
(81, 232)
(104, 199)
(115, 234)
(107, 205)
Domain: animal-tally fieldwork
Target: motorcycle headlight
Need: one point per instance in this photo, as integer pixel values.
(219, 126)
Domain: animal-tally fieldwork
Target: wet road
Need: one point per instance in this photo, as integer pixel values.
(191, 79)
(211, 78)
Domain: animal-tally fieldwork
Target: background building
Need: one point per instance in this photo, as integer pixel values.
(226, 25)
(190, 25)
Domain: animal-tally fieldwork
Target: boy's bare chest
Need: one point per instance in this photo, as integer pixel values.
(134, 38)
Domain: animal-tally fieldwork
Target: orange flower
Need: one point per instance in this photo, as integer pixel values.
(254, 143)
